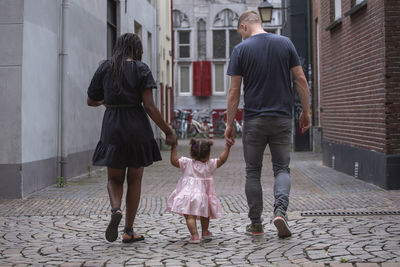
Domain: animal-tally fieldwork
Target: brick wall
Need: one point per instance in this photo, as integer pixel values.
(315, 18)
(392, 32)
(353, 77)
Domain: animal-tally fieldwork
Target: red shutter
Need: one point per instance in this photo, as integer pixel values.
(197, 78)
(206, 78)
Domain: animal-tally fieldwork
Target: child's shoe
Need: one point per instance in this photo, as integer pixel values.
(195, 239)
(206, 235)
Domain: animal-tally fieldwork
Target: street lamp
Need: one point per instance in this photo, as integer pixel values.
(265, 9)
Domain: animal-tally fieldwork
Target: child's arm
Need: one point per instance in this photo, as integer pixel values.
(174, 156)
(224, 155)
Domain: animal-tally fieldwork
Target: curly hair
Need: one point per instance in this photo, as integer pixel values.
(127, 45)
(200, 149)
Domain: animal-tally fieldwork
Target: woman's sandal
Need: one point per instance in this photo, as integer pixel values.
(112, 228)
(129, 231)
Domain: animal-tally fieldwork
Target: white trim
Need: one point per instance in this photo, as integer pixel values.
(190, 93)
(338, 9)
(214, 78)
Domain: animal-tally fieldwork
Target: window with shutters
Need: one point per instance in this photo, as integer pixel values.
(185, 78)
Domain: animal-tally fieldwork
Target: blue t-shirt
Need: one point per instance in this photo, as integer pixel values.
(264, 61)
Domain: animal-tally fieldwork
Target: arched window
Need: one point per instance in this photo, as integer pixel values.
(226, 18)
(201, 39)
(225, 37)
(180, 20)
(182, 26)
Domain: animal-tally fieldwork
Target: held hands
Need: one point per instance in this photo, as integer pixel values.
(304, 122)
(230, 135)
(171, 139)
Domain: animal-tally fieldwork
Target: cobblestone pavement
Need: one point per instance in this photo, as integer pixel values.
(65, 226)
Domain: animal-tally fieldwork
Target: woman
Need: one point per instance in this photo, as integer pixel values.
(127, 142)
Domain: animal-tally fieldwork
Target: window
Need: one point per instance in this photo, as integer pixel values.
(184, 44)
(138, 30)
(225, 36)
(184, 79)
(219, 44)
(111, 26)
(201, 39)
(219, 78)
(338, 9)
(357, 2)
(149, 50)
(234, 39)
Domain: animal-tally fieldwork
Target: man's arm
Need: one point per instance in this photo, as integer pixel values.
(232, 107)
(304, 94)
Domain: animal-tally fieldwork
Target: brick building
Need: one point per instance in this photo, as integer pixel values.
(356, 81)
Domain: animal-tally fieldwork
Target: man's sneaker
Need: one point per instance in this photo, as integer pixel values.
(253, 229)
(280, 222)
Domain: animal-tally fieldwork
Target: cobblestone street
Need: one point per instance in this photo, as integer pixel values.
(65, 226)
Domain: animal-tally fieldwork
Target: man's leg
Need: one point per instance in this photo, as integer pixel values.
(280, 151)
(254, 143)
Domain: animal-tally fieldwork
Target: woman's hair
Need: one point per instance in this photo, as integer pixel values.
(200, 149)
(128, 45)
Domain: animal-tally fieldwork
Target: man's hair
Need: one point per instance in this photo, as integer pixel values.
(249, 16)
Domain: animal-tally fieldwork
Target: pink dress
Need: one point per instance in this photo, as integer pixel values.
(195, 192)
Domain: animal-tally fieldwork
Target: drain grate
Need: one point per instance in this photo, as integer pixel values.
(348, 213)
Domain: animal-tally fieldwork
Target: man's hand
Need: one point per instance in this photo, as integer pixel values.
(304, 122)
(230, 135)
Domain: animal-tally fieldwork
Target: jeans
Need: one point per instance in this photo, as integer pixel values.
(257, 133)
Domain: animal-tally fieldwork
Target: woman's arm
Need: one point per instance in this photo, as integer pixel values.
(92, 103)
(155, 115)
(224, 155)
(174, 156)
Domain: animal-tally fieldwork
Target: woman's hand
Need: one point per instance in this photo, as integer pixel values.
(171, 139)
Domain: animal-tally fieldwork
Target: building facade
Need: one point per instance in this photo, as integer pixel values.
(356, 64)
(49, 51)
(205, 35)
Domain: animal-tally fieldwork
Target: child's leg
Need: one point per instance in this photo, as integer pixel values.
(191, 224)
(205, 222)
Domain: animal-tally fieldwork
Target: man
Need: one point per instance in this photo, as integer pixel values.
(265, 61)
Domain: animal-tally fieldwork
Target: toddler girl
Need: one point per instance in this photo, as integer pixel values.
(194, 196)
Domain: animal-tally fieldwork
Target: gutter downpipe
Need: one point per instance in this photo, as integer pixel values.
(62, 66)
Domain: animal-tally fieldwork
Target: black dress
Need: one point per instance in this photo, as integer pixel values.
(127, 139)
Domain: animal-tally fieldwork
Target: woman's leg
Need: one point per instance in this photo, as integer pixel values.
(205, 222)
(115, 186)
(191, 224)
(115, 189)
(134, 179)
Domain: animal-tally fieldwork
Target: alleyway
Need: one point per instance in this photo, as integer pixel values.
(65, 226)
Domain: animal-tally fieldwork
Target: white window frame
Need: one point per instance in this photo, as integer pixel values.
(338, 9)
(190, 93)
(357, 2)
(178, 45)
(214, 92)
(227, 43)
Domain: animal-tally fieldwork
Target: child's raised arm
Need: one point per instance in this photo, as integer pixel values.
(224, 155)
(174, 156)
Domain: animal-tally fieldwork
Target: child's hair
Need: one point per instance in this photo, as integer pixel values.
(200, 149)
